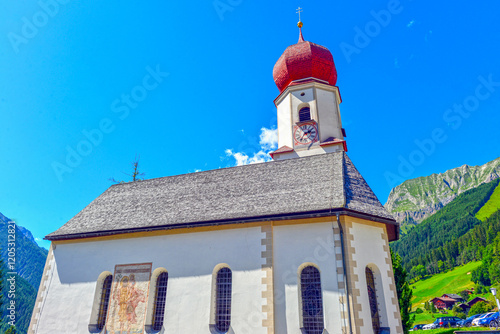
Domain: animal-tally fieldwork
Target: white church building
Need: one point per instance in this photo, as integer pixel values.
(298, 245)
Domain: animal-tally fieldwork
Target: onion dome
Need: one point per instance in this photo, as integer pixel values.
(304, 60)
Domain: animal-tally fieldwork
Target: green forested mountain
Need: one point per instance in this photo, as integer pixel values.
(29, 264)
(25, 297)
(416, 199)
(30, 258)
(452, 236)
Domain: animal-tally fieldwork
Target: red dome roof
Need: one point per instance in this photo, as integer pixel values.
(304, 60)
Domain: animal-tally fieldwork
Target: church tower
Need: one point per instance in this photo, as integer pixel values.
(291, 246)
(309, 120)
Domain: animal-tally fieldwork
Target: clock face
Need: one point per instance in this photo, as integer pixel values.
(305, 134)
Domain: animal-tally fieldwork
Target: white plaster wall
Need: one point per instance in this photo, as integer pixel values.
(313, 150)
(328, 111)
(189, 258)
(285, 123)
(293, 246)
(297, 100)
(369, 247)
(316, 149)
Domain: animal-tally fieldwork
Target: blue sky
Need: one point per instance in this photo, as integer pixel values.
(188, 86)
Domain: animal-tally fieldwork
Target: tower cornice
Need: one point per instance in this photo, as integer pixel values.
(307, 83)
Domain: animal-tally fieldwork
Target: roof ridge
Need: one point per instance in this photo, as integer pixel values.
(344, 197)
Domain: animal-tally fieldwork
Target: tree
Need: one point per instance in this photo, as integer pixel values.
(136, 175)
(482, 275)
(11, 330)
(480, 307)
(464, 294)
(433, 308)
(458, 312)
(418, 271)
(404, 292)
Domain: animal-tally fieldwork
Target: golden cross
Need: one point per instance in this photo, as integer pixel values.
(299, 10)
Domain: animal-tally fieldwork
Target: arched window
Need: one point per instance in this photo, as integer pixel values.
(104, 302)
(312, 301)
(223, 300)
(159, 301)
(304, 114)
(372, 297)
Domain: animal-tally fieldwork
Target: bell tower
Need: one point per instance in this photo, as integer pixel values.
(309, 120)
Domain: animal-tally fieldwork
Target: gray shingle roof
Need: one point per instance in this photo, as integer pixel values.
(272, 190)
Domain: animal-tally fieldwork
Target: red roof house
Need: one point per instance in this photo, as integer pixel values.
(443, 302)
(476, 300)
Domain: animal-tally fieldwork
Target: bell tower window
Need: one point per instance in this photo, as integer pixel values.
(304, 114)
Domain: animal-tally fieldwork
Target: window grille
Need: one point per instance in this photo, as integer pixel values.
(372, 296)
(103, 305)
(305, 114)
(223, 300)
(160, 301)
(312, 303)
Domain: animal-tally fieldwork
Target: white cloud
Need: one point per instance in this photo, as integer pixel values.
(411, 23)
(245, 159)
(268, 139)
(268, 142)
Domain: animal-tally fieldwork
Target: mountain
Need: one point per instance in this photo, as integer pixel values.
(416, 199)
(453, 236)
(25, 302)
(30, 258)
(29, 265)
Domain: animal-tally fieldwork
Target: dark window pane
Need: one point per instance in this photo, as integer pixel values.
(304, 114)
(312, 302)
(372, 296)
(160, 300)
(223, 300)
(103, 305)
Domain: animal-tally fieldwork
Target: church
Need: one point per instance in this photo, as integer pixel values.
(297, 245)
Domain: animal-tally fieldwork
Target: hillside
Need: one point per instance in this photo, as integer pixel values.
(30, 261)
(453, 281)
(25, 302)
(452, 236)
(492, 206)
(414, 200)
(30, 258)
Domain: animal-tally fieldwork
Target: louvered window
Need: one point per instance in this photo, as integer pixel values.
(372, 297)
(312, 302)
(103, 305)
(160, 300)
(305, 114)
(223, 300)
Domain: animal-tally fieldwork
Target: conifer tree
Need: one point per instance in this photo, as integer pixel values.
(136, 175)
(404, 292)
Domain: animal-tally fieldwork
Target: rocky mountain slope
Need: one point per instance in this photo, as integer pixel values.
(30, 258)
(29, 264)
(416, 199)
